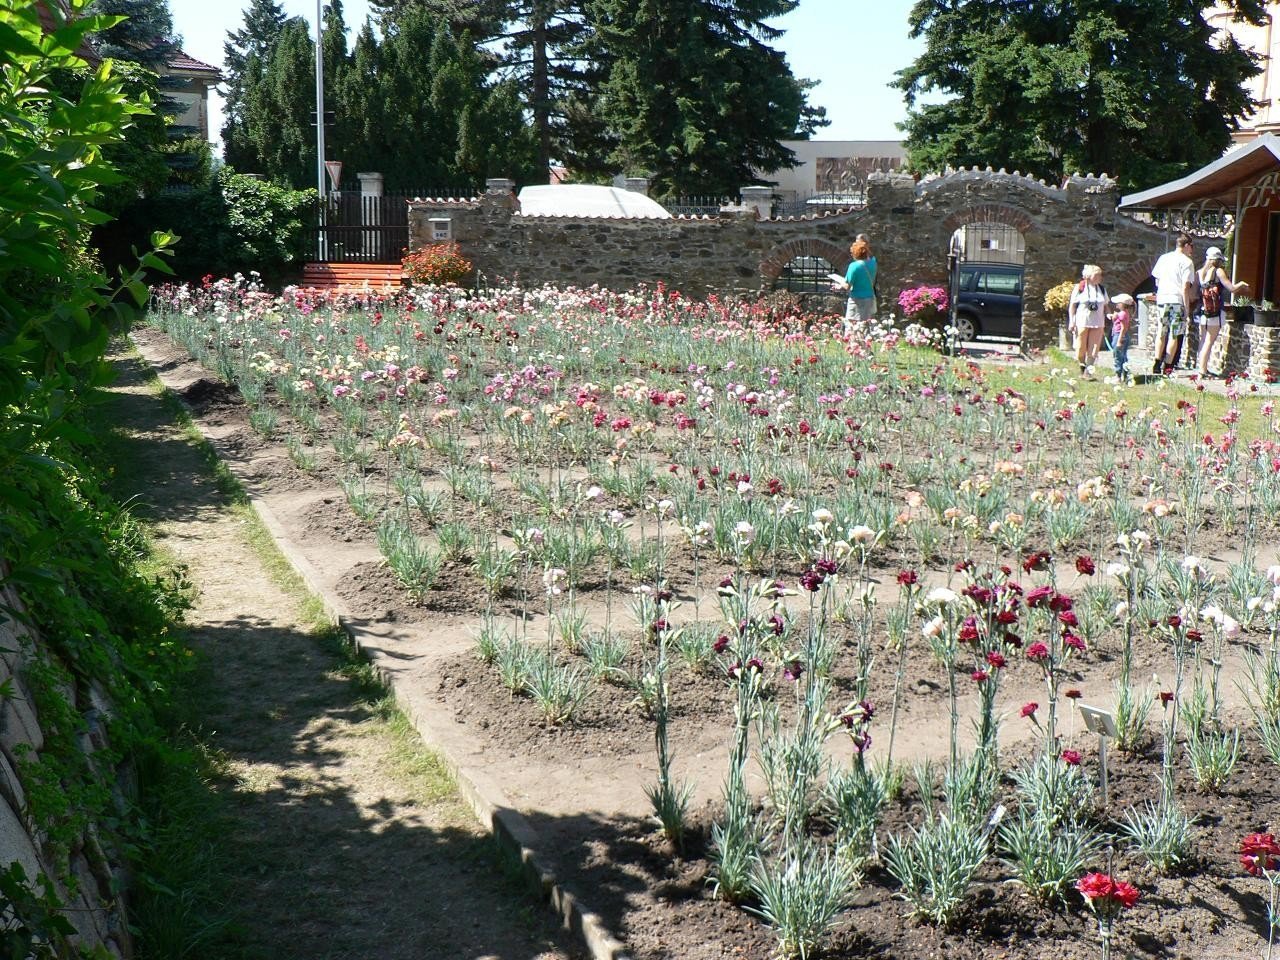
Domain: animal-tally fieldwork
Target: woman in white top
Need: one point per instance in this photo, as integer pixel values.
(1088, 312)
(1213, 283)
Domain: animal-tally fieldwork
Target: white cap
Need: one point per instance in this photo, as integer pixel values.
(1213, 253)
(1122, 298)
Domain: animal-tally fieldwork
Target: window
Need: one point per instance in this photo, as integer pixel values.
(1006, 283)
(805, 274)
(966, 278)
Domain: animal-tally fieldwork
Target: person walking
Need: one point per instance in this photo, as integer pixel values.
(1213, 281)
(1175, 276)
(1088, 312)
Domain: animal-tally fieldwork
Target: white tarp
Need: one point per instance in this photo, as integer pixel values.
(588, 200)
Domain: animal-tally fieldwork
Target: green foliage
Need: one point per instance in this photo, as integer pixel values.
(1141, 90)
(246, 52)
(31, 926)
(695, 96)
(233, 224)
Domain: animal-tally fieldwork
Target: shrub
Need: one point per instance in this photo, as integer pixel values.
(935, 866)
(437, 264)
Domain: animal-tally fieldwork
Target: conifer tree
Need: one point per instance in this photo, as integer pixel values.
(245, 55)
(1140, 89)
(695, 95)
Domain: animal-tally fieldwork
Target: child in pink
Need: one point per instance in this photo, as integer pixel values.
(1121, 324)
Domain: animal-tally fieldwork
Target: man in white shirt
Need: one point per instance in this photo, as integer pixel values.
(1175, 274)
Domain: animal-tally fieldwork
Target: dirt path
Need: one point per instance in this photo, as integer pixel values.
(350, 840)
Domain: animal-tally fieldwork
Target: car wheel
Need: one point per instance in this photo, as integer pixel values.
(966, 327)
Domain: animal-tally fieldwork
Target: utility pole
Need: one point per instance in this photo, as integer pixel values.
(320, 174)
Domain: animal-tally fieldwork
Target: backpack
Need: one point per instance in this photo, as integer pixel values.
(1211, 299)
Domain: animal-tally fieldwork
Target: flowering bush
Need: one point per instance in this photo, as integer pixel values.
(1059, 298)
(922, 302)
(437, 264)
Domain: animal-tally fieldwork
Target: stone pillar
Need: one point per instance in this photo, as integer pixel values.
(759, 199)
(637, 185)
(371, 215)
(499, 185)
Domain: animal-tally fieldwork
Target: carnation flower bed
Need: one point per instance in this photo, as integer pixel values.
(777, 636)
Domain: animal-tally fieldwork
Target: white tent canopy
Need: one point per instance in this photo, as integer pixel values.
(588, 200)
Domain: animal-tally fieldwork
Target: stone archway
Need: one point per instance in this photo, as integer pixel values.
(772, 265)
(1000, 213)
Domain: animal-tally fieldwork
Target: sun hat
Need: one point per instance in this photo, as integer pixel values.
(1122, 298)
(1213, 253)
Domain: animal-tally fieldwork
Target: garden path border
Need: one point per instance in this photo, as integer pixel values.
(513, 832)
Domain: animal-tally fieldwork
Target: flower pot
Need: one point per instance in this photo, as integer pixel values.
(1265, 318)
(1242, 313)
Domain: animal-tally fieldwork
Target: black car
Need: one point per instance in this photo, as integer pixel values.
(989, 300)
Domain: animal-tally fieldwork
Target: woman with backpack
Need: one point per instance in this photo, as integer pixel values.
(1088, 315)
(1213, 281)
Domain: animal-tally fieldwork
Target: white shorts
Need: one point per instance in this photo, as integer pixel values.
(1209, 320)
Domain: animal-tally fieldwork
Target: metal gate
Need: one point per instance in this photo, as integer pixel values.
(352, 227)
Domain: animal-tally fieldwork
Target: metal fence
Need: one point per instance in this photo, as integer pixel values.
(352, 228)
(816, 204)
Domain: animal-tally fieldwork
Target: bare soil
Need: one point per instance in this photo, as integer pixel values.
(350, 841)
(581, 786)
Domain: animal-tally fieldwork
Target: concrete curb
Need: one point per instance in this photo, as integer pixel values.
(515, 835)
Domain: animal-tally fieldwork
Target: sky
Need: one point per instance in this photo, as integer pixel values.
(851, 47)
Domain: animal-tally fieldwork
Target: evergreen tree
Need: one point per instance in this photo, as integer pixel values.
(540, 48)
(145, 36)
(695, 95)
(359, 114)
(1140, 89)
(246, 53)
(280, 111)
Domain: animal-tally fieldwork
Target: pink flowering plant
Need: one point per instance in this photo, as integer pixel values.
(923, 302)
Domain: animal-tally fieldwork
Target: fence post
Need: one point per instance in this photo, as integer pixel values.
(759, 199)
(371, 214)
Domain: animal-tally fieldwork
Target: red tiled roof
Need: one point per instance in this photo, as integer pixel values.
(183, 61)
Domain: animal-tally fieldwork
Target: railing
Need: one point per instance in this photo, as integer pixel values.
(695, 206)
(817, 203)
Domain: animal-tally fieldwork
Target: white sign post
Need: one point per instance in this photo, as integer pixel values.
(1104, 725)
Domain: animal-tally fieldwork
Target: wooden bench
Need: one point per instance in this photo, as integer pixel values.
(334, 276)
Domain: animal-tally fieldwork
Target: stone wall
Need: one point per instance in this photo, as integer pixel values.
(1245, 348)
(910, 223)
(94, 909)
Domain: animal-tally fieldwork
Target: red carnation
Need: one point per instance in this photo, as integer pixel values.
(1037, 651)
(1259, 852)
(1029, 709)
(1085, 565)
(1071, 758)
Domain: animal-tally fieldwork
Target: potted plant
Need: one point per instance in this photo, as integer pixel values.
(1057, 300)
(924, 305)
(1265, 314)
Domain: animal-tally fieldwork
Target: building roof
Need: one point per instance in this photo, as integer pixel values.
(1218, 180)
(181, 60)
(588, 200)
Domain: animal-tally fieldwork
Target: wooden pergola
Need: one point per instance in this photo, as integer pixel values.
(1236, 196)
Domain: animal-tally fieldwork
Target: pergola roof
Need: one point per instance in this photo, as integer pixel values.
(1218, 180)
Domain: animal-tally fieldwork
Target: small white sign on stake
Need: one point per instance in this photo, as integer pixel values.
(1098, 721)
(1103, 723)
